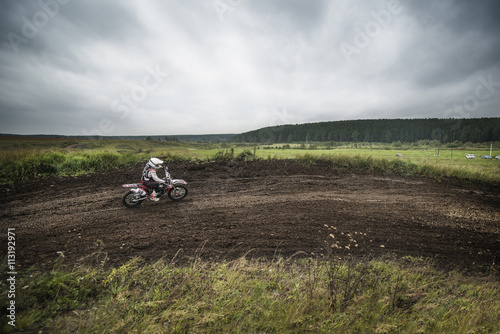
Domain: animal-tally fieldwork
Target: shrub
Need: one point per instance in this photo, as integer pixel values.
(245, 155)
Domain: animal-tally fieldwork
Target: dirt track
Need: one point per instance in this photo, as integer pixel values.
(256, 208)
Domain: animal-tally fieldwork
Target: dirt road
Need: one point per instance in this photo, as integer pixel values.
(262, 209)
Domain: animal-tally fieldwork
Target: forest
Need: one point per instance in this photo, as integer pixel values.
(475, 130)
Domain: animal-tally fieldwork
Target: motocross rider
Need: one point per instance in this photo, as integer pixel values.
(149, 177)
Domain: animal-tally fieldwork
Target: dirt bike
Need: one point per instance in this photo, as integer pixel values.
(175, 189)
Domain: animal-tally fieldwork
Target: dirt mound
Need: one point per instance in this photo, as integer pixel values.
(262, 209)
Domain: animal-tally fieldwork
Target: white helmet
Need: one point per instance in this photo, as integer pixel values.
(155, 163)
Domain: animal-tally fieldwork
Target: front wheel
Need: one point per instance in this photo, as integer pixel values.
(131, 200)
(177, 192)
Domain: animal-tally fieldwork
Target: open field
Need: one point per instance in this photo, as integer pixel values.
(87, 263)
(23, 158)
(444, 157)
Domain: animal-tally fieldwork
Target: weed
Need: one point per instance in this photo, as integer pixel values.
(342, 294)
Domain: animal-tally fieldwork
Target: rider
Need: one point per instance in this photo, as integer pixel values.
(149, 177)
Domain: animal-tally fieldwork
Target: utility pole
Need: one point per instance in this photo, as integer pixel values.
(491, 148)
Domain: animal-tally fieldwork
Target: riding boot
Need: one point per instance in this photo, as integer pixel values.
(153, 196)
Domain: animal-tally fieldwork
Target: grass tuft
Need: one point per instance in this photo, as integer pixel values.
(336, 295)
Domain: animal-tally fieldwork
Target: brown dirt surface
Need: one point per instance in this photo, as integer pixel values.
(257, 209)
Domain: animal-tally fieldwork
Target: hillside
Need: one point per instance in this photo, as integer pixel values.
(382, 130)
(208, 138)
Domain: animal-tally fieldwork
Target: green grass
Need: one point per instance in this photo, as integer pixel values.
(28, 165)
(250, 296)
(400, 167)
(25, 158)
(451, 162)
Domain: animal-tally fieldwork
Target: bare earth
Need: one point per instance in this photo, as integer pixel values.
(261, 209)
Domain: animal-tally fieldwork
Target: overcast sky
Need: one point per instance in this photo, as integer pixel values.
(123, 67)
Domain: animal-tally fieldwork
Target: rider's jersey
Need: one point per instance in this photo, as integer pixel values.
(149, 174)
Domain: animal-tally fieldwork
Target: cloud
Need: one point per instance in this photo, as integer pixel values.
(227, 66)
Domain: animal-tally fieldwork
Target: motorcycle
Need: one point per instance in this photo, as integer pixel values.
(175, 189)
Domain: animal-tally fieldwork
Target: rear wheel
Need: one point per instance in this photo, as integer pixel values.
(131, 200)
(177, 192)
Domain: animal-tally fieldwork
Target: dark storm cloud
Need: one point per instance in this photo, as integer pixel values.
(48, 76)
(452, 40)
(300, 16)
(70, 66)
(111, 22)
(102, 20)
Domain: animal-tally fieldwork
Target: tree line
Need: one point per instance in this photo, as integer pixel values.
(475, 130)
